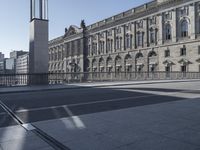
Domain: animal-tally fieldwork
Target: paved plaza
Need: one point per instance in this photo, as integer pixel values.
(147, 115)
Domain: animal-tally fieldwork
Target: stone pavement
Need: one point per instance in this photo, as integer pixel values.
(165, 126)
(17, 138)
(173, 125)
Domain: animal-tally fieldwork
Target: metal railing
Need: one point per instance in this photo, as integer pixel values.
(66, 78)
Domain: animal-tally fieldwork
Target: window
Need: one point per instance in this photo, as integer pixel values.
(128, 27)
(183, 68)
(183, 51)
(168, 32)
(120, 43)
(140, 39)
(199, 68)
(117, 43)
(140, 24)
(152, 36)
(183, 12)
(199, 50)
(119, 30)
(198, 7)
(167, 53)
(199, 25)
(167, 68)
(184, 28)
(168, 16)
(110, 32)
(128, 41)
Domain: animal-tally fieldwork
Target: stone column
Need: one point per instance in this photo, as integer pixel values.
(174, 25)
(134, 35)
(123, 37)
(113, 41)
(106, 38)
(98, 47)
(145, 23)
(193, 21)
(160, 29)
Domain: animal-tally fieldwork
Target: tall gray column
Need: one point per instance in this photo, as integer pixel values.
(174, 25)
(193, 20)
(160, 31)
(145, 32)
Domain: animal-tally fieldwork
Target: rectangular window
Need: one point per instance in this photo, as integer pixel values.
(183, 52)
(167, 53)
(152, 37)
(199, 50)
(183, 68)
(199, 68)
(140, 39)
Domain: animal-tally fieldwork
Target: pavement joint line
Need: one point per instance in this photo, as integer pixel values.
(11, 113)
(29, 127)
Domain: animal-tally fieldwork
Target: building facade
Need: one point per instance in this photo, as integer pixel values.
(1, 56)
(15, 54)
(162, 35)
(22, 64)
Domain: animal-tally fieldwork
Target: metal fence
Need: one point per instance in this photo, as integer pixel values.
(66, 78)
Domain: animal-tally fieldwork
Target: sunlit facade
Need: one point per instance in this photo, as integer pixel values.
(162, 35)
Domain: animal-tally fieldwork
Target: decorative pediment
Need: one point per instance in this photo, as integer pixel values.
(72, 30)
(168, 62)
(184, 61)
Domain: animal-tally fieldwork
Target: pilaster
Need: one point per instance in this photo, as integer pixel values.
(174, 25)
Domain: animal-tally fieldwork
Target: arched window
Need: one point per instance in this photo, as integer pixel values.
(168, 32)
(184, 28)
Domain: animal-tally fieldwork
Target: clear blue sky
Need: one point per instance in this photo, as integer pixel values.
(14, 16)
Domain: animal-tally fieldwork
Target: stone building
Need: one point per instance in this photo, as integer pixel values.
(162, 35)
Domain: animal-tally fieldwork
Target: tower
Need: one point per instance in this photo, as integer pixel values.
(38, 42)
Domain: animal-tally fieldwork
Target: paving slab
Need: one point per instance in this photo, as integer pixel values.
(6, 120)
(130, 128)
(187, 135)
(26, 143)
(17, 138)
(158, 143)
